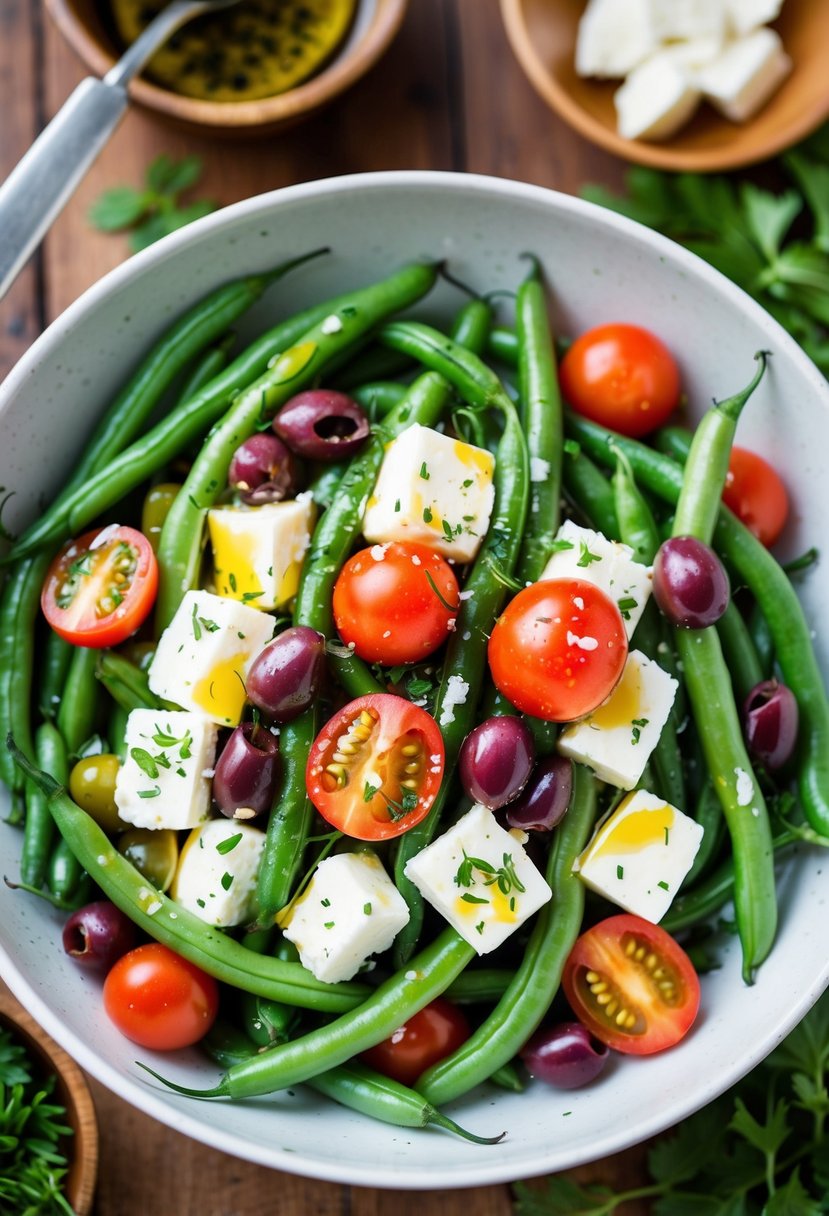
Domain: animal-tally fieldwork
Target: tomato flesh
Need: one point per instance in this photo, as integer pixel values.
(429, 1036)
(632, 985)
(160, 1000)
(375, 768)
(621, 376)
(394, 603)
(558, 649)
(756, 494)
(101, 587)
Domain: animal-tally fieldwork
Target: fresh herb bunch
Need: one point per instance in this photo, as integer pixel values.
(746, 232)
(154, 211)
(759, 1150)
(32, 1167)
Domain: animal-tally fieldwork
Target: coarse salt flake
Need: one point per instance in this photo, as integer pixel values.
(573, 639)
(378, 552)
(456, 693)
(331, 325)
(411, 975)
(539, 468)
(579, 602)
(745, 787)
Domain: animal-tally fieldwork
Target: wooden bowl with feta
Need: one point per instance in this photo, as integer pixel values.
(687, 85)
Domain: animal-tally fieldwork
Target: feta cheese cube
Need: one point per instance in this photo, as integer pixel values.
(745, 75)
(258, 551)
(349, 910)
(616, 740)
(608, 564)
(204, 654)
(216, 874)
(657, 98)
(161, 783)
(640, 855)
(433, 490)
(614, 36)
(746, 15)
(685, 19)
(480, 879)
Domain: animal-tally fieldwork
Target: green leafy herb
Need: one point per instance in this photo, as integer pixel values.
(247, 596)
(33, 1165)
(227, 881)
(626, 604)
(427, 515)
(585, 556)
(424, 472)
(227, 846)
(145, 761)
(154, 210)
(449, 607)
(504, 876)
(637, 726)
(760, 1150)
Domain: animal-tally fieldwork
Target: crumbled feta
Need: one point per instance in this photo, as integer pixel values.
(745, 787)
(160, 783)
(456, 692)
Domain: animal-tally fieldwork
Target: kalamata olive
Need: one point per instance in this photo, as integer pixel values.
(770, 717)
(690, 584)
(285, 676)
(322, 424)
(566, 1056)
(246, 772)
(98, 934)
(262, 470)
(495, 761)
(545, 797)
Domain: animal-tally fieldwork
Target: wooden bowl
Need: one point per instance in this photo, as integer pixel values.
(375, 24)
(72, 1092)
(543, 36)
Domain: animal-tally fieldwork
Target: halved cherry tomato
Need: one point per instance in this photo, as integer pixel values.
(631, 985)
(160, 1000)
(395, 602)
(375, 769)
(428, 1036)
(756, 494)
(558, 649)
(621, 376)
(101, 587)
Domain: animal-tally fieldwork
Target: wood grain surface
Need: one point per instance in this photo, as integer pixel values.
(448, 95)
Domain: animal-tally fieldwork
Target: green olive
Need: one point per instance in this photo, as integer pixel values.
(92, 785)
(154, 853)
(156, 507)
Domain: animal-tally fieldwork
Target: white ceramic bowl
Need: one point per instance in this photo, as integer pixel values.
(601, 268)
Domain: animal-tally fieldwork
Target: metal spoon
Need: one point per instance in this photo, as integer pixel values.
(39, 187)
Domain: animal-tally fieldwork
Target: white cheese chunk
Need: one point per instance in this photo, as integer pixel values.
(614, 36)
(258, 551)
(657, 98)
(216, 874)
(350, 910)
(686, 19)
(741, 80)
(160, 783)
(640, 855)
(616, 740)
(204, 654)
(433, 490)
(608, 564)
(746, 15)
(480, 879)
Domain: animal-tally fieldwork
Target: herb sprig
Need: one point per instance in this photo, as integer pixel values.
(32, 1166)
(155, 210)
(760, 1150)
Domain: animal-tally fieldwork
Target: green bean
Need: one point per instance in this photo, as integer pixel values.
(79, 702)
(383, 1012)
(64, 872)
(502, 344)
(206, 368)
(508, 1077)
(180, 543)
(740, 655)
(267, 1022)
(591, 492)
(479, 985)
(377, 397)
(373, 363)
(708, 814)
(125, 682)
(637, 526)
(763, 641)
(173, 925)
(530, 993)
(18, 609)
(39, 830)
(773, 591)
(117, 732)
(53, 670)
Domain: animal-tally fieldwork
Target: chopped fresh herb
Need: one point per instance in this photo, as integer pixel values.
(561, 546)
(325, 903)
(427, 515)
(620, 872)
(505, 876)
(397, 504)
(367, 909)
(637, 726)
(667, 834)
(162, 761)
(231, 578)
(153, 793)
(239, 634)
(585, 555)
(663, 885)
(424, 472)
(449, 607)
(227, 846)
(626, 606)
(447, 529)
(480, 926)
(572, 447)
(418, 688)
(227, 881)
(195, 623)
(369, 791)
(145, 761)
(466, 484)
(200, 903)
(247, 596)
(329, 924)
(181, 772)
(473, 899)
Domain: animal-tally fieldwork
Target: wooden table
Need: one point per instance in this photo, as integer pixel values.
(448, 95)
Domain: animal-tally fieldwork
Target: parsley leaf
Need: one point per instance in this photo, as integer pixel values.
(154, 210)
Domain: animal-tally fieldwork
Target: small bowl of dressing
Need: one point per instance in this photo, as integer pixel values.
(255, 67)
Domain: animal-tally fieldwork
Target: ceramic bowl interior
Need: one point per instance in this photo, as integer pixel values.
(374, 26)
(600, 267)
(543, 36)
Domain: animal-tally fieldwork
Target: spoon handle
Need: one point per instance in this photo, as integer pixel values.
(40, 185)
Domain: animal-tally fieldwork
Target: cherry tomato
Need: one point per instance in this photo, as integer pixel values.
(621, 376)
(756, 494)
(101, 587)
(631, 985)
(375, 769)
(429, 1036)
(158, 999)
(558, 649)
(395, 602)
